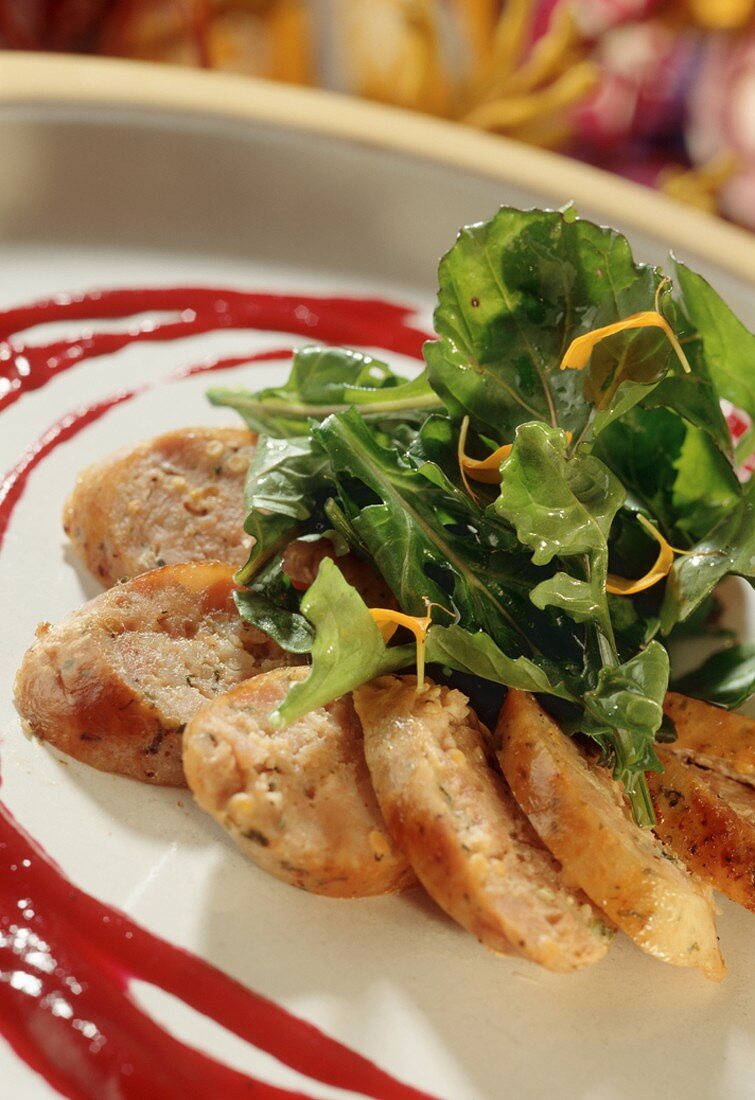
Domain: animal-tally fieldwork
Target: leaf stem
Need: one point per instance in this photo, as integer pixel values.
(242, 402)
(640, 801)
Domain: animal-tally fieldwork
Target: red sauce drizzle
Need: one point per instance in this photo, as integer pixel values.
(25, 367)
(66, 960)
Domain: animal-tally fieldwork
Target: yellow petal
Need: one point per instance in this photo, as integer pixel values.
(487, 469)
(388, 622)
(479, 469)
(723, 15)
(579, 351)
(621, 586)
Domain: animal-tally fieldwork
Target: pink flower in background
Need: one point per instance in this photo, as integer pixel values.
(645, 71)
(721, 119)
(597, 16)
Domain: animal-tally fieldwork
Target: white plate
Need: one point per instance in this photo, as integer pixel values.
(121, 175)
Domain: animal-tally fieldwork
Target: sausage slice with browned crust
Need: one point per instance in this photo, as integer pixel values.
(176, 498)
(582, 815)
(708, 821)
(115, 683)
(297, 801)
(471, 846)
(302, 558)
(713, 737)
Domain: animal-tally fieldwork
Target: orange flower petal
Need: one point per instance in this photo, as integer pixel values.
(579, 351)
(479, 469)
(621, 586)
(388, 622)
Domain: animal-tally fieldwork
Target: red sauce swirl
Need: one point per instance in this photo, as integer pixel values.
(66, 959)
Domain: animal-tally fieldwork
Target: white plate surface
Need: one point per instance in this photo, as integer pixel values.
(92, 197)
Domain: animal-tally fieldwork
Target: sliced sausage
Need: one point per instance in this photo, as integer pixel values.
(469, 843)
(582, 815)
(297, 801)
(302, 558)
(176, 498)
(708, 821)
(713, 737)
(115, 683)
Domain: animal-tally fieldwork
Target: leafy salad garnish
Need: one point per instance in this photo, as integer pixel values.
(551, 500)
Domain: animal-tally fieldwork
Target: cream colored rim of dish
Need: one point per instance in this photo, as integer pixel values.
(66, 80)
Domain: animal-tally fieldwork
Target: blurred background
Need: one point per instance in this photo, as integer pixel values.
(660, 91)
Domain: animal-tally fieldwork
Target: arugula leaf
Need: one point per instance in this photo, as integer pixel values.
(477, 654)
(624, 712)
(323, 381)
(430, 541)
(630, 696)
(364, 452)
(514, 292)
(693, 397)
(286, 479)
(706, 487)
(671, 470)
(284, 475)
(348, 649)
(634, 625)
(729, 548)
(285, 626)
(729, 348)
(727, 678)
(562, 507)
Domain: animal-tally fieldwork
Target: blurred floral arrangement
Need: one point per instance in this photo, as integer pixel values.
(661, 91)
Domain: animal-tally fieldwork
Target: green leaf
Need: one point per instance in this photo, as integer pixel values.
(729, 348)
(323, 381)
(514, 292)
(630, 696)
(705, 488)
(348, 649)
(288, 628)
(693, 397)
(286, 480)
(562, 508)
(477, 654)
(431, 542)
(582, 601)
(671, 470)
(624, 712)
(634, 626)
(285, 475)
(727, 678)
(729, 548)
(559, 506)
(640, 450)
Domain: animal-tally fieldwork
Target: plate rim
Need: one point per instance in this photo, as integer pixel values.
(69, 80)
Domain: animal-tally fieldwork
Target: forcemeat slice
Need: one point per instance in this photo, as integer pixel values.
(469, 843)
(582, 815)
(713, 737)
(114, 684)
(297, 801)
(708, 821)
(178, 497)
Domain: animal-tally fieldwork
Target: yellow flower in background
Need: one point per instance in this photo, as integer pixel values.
(470, 60)
(720, 15)
(267, 38)
(391, 51)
